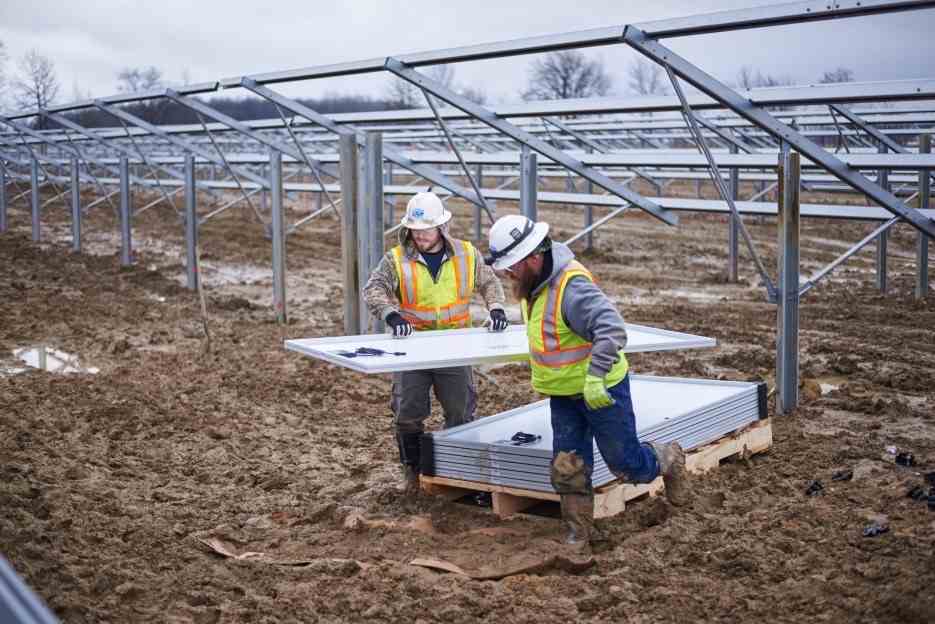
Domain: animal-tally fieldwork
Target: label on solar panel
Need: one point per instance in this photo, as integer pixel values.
(381, 353)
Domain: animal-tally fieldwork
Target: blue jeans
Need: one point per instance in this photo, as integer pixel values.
(574, 429)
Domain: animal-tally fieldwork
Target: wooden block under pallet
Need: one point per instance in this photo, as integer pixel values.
(610, 499)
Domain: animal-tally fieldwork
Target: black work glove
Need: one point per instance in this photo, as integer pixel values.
(496, 321)
(401, 327)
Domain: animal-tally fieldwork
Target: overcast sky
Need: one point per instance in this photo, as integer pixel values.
(89, 42)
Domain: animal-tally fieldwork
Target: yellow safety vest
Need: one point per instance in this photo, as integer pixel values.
(559, 357)
(441, 304)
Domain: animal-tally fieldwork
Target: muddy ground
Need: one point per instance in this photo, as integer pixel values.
(112, 484)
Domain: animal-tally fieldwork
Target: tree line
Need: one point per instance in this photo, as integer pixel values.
(33, 83)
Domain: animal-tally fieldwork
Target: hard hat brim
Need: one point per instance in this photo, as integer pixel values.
(422, 225)
(538, 234)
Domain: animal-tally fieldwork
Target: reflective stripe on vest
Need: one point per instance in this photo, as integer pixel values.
(552, 353)
(560, 358)
(444, 304)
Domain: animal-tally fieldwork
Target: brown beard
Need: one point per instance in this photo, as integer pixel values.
(524, 284)
(435, 248)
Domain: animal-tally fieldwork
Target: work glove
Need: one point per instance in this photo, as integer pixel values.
(401, 327)
(496, 320)
(595, 394)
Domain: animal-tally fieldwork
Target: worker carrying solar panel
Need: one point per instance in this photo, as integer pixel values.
(426, 283)
(576, 340)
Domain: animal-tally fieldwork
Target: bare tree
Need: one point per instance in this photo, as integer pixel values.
(140, 80)
(474, 94)
(442, 74)
(566, 74)
(646, 78)
(35, 85)
(841, 74)
(83, 116)
(403, 94)
(747, 78)
(137, 79)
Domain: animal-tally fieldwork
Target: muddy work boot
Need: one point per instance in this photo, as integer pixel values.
(410, 455)
(411, 486)
(578, 514)
(671, 460)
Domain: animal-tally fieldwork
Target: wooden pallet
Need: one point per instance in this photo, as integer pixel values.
(611, 499)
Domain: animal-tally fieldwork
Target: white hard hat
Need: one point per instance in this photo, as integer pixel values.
(425, 211)
(512, 238)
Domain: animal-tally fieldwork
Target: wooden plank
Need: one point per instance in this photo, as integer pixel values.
(609, 502)
(611, 499)
(448, 492)
(505, 505)
(476, 486)
(756, 438)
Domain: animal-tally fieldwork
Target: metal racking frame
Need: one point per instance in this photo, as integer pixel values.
(741, 132)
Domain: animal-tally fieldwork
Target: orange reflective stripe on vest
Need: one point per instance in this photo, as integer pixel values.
(441, 303)
(560, 358)
(552, 353)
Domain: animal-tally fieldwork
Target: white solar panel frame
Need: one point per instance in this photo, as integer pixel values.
(464, 347)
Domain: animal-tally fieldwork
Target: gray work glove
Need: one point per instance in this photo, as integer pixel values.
(401, 327)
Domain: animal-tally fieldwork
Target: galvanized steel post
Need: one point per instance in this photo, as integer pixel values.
(922, 246)
(787, 339)
(391, 201)
(732, 227)
(371, 218)
(191, 225)
(279, 236)
(126, 245)
(528, 182)
(34, 198)
(2, 198)
(589, 220)
(479, 174)
(350, 178)
(883, 238)
(75, 206)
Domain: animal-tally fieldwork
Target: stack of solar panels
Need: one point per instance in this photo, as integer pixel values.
(514, 448)
(18, 603)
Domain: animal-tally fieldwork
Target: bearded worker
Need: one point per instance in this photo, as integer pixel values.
(576, 340)
(426, 283)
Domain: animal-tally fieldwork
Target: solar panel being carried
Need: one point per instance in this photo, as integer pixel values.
(380, 353)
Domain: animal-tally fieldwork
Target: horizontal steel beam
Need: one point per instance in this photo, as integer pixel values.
(796, 12)
(389, 153)
(775, 15)
(183, 144)
(534, 143)
(121, 98)
(764, 160)
(639, 41)
(693, 25)
(885, 91)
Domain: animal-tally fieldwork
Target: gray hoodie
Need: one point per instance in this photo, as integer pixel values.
(589, 313)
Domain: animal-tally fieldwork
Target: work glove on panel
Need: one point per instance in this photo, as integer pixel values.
(496, 320)
(595, 394)
(401, 327)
